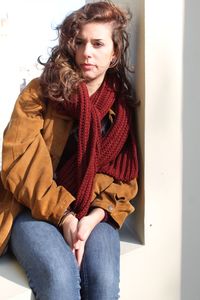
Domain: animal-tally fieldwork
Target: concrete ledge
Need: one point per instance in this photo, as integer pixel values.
(13, 281)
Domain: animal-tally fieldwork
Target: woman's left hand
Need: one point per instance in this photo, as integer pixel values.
(85, 227)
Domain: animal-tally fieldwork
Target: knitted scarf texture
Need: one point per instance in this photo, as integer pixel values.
(113, 154)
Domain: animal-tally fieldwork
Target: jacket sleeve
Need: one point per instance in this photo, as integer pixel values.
(26, 163)
(115, 199)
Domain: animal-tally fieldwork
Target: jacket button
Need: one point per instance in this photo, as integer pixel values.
(110, 207)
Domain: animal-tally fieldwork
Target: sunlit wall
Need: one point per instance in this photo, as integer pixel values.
(26, 32)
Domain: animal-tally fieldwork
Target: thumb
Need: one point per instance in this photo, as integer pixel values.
(83, 230)
(82, 233)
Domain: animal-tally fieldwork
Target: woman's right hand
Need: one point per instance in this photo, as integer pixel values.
(70, 227)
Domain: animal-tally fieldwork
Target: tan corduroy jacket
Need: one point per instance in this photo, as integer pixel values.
(33, 144)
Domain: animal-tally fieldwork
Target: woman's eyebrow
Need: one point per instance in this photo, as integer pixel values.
(94, 39)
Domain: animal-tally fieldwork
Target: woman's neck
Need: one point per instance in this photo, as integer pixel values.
(93, 87)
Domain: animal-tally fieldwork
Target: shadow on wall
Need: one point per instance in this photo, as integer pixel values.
(133, 230)
(190, 287)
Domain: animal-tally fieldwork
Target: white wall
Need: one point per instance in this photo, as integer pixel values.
(153, 271)
(168, 266)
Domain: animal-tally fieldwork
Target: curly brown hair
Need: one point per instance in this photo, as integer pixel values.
(61, 76)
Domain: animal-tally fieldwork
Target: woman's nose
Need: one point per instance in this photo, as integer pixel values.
(87, 51)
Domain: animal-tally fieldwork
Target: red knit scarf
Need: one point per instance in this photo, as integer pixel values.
(113, 154)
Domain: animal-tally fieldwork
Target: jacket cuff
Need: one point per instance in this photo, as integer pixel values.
(114, 209)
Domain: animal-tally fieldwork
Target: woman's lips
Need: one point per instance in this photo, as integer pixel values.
(87, 67)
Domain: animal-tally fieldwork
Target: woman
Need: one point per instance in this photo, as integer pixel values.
(70, 163)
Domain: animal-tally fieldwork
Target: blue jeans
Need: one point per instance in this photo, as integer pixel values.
(51, 267)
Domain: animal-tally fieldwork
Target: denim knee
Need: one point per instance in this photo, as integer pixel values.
(100, 266)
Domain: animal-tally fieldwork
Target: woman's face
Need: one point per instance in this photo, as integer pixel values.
(94, 51)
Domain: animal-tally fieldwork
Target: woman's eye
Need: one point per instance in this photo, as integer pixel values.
(97, 44)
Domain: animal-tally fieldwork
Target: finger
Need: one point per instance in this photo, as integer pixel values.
(74, 239)
(79, 254)
(77, 245)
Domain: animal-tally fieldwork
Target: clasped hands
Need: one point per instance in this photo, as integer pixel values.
(76, 232)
